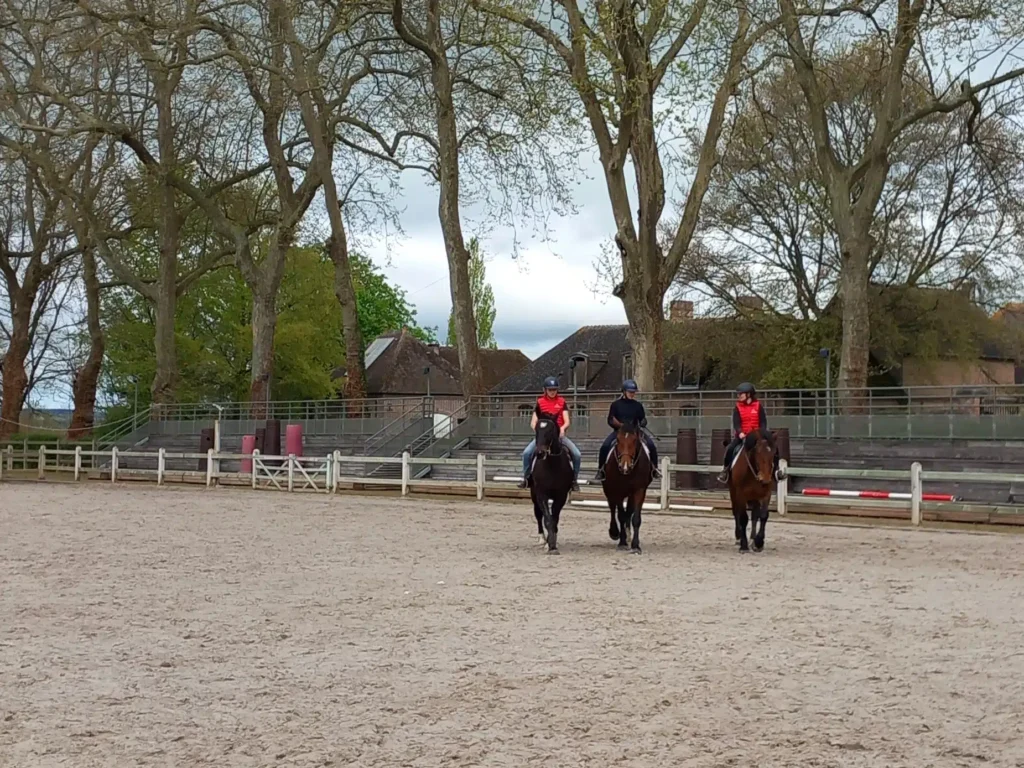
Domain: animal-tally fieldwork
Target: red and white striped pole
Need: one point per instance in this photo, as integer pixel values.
(876, 494)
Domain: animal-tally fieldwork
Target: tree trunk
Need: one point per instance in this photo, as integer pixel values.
(166, 302)
(853, 365)
(646, 317)
(87, 377)
(166, 356)
(451, 223)
(15, 376)
(264, 325)
(344, 289)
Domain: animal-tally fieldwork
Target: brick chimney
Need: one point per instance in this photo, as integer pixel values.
(680, 310)
(750, 303)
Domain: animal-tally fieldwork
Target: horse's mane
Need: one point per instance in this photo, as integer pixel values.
(629, 427)
(751, 439)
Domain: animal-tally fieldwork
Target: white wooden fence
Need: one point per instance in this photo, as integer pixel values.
(330, 473)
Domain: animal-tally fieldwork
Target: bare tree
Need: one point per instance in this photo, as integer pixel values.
(949, 211)
(933, 33)
(625, 60)
(460, 100)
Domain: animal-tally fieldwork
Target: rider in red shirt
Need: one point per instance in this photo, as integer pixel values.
(747, 416)
(552, 405)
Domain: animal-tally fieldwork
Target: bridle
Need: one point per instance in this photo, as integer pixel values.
(635, 457)
(548, 450)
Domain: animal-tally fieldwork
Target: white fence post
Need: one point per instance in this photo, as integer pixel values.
(291, 472)
(1, 468)
(405, 473)
(113, 464)
(328, 473)
(78, 462)
(916, 490)
(665, 482)
(42, 461)
(336, 476)
(209, 467)
(10, 458)
(481, 476)
(782, 494)
(161, 466)
(255, 466)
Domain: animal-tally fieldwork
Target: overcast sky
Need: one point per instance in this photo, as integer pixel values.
(542, 294)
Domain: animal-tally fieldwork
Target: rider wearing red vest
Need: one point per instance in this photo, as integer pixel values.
(747, 416)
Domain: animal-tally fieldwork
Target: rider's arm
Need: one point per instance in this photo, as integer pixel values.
(737, 425)
(762, 419)
(533, 421)
(612, 421)
(565, 421)
(643, 415)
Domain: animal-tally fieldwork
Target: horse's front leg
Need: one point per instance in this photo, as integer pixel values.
(538, 512)
(613, 526)
(739, 511)
(549, 527)
(637, 503)
(759, 526)
(624, 517)
(555, 507)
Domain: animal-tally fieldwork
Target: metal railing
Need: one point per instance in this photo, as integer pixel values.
(290, 410)
(420, 409)
(996, 400)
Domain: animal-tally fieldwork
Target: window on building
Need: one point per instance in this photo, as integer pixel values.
(688, 377)
(525, 411)
(627, 366)
(578, 373)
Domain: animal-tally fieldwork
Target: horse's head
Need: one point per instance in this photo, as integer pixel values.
(547, 437)
(627, 447)
(760, 446)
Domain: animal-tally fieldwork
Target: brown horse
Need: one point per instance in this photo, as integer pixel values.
(750, 487)
(625, 484)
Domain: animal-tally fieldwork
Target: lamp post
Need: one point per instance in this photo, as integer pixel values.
(826, 353)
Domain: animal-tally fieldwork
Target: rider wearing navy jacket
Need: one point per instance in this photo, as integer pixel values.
(626, 408)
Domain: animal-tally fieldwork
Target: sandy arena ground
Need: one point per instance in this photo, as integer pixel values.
(226, 628)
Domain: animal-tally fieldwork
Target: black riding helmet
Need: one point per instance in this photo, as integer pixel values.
(746, 388)
(551, 382)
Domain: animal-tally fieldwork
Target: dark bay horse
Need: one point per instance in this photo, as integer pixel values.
(627, 476)
(750, 487)
(550, 482)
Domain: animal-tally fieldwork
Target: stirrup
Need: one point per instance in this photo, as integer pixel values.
(600, 476)
(723, 476)
(655, 472)
(524, 483)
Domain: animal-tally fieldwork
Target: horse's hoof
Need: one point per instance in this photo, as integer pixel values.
(613, 534)
(542, 539)
(744, 550)
(553, 551)
(636, 551)
(758, 547)
(622, 546)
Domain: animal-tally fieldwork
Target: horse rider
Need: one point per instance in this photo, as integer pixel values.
(747, 416)
(551, 405)
(626, 408)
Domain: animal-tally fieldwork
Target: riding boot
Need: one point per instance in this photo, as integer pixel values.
(655, 472)
(599, 477)
(723, 476)
(524, 483)
(575, 485)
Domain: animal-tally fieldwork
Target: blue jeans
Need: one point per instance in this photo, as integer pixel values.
(577, 457)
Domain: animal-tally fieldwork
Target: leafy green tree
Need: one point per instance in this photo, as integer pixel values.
(483, 301)
(214, 334)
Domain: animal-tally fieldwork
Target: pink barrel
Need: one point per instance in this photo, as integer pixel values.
(248, 446)
(293, 440)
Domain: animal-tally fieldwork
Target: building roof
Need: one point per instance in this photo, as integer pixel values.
(602, 349)
(395, 363)
(497, 364)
